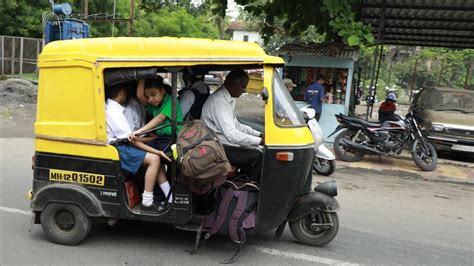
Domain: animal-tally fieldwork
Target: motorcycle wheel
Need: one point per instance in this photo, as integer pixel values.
(425, 159)
(306, 232)
(324, 167)
(342, 152)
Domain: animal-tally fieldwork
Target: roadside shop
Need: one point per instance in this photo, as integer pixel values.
(303, 62)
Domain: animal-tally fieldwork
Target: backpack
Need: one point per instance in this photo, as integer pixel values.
(234, 215)
(199, 99)
(202, 159)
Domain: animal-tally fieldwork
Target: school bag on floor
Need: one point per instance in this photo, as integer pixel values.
(201, 157)
(234, 215)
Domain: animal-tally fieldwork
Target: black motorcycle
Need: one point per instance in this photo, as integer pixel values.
(362, 137)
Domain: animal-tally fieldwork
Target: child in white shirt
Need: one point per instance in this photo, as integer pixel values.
(136, 153)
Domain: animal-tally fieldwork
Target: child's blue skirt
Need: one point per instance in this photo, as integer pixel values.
(130, 157)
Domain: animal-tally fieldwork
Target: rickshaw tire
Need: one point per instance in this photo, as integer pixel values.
(65, 224)
(304, 235)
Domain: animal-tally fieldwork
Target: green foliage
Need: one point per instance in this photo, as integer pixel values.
(343, 23)
(435, 67)
(280, 36)
(152, 18)
(21, 18)
(332, 19)
(175, 22)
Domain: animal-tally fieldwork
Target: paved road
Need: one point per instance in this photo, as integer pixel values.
(393, 218)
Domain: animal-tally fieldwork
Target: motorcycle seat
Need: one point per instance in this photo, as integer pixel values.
(364, 122)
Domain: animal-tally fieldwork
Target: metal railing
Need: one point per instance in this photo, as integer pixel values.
(19, 55)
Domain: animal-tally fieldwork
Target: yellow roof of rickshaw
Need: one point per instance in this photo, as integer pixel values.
(157, 49)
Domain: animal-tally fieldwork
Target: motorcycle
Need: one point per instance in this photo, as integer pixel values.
(362, 137)
(324, 161)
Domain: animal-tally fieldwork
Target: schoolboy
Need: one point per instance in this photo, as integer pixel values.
(137, 153)
(157, 101)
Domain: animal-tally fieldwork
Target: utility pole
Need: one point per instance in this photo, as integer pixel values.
(468, 74)
(441, 72)
(413, 78)
(113, 18)
(85, 9)
(130, 21)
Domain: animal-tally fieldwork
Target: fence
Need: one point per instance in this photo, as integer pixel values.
(19, 54)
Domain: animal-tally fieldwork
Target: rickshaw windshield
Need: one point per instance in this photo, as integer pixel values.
(285, 111)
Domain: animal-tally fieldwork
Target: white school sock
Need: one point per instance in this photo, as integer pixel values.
(165, 187)
(147, 198)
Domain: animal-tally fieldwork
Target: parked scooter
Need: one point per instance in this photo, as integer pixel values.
(324, 161)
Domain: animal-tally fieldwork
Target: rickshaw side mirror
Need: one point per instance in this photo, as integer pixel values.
(264, 94)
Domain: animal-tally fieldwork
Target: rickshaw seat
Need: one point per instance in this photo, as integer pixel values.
(133, 194)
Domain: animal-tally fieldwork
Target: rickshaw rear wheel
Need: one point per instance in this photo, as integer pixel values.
(316, 229)
(65, 224)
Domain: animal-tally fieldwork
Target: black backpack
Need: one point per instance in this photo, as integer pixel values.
(199, 100)
(234, 214)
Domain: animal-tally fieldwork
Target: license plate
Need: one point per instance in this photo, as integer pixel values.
(463, 148)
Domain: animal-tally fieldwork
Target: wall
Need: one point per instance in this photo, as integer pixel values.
(238, 35)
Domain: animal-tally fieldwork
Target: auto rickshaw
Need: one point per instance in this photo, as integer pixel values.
(77, 179)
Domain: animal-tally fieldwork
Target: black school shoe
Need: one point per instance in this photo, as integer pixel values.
(156, 208)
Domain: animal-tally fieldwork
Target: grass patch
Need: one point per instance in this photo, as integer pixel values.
(27, 76)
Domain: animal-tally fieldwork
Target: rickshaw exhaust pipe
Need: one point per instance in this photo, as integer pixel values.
(329, 188)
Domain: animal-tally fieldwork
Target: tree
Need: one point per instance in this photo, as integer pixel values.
(279, 36)
(21, 18)
(174, 21)
(334, 19)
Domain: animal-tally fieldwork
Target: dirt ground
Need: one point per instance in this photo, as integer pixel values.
(17, 107)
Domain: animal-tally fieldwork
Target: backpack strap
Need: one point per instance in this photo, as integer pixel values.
(236, 215)
(197, 142)
(221, 213)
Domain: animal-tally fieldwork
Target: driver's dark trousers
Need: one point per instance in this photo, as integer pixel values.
(249, 161)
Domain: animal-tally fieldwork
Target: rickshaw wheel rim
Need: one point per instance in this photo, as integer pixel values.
(64, 221)
(305, 225)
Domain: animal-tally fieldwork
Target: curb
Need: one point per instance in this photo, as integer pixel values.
(440, 161)
(405, 156)
(438, 179)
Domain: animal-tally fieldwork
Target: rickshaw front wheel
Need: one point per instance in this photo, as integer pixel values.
(65, 224)
(316, 229)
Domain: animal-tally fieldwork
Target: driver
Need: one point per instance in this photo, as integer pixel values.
(240, 141)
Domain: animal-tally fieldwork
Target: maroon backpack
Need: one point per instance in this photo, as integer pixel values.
(234, 214)
(202, 159)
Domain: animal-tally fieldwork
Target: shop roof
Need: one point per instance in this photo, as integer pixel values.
(330, 49)
(436, 23)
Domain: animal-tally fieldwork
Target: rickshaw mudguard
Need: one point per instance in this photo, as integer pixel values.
(281, 183)
(67, 193)
(312, 202)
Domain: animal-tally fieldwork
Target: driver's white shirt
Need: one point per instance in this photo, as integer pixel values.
(219, 116)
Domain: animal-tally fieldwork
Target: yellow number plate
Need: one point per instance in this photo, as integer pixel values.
(76, 177)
